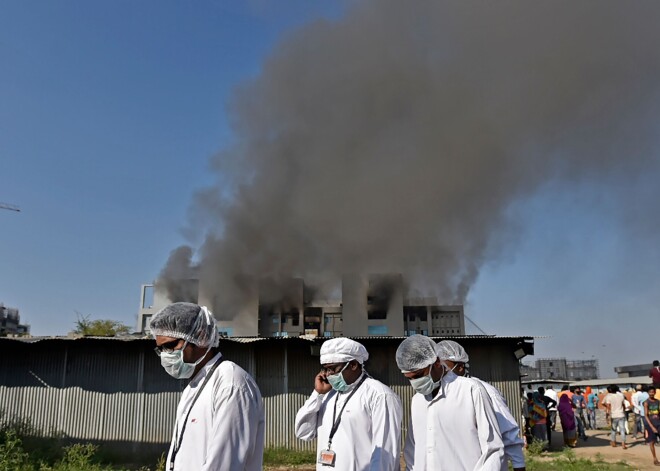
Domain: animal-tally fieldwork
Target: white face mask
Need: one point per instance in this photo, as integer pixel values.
(175, 366)
(425, 385)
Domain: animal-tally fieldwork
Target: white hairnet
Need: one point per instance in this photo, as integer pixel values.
(450, 350)
(415, 352)
(187, 321)
(341, 350)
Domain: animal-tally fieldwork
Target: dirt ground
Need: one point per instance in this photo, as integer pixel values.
(637, 455)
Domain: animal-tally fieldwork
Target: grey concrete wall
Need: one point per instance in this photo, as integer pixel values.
(354, 305)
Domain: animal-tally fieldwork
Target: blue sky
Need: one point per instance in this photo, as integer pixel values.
(110, 111)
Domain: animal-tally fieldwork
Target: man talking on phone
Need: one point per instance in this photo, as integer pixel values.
(355, 418)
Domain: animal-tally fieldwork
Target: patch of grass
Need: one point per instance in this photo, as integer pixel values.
(286, 457)
(76, 457)
(567, 461)
(536, 447)
(24, 448)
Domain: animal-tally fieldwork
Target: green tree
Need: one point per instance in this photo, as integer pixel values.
(99, 327)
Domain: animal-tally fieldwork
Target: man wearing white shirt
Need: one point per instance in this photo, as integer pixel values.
(355, 418)
(453, 425)
(638, 398)
(615, 409)
(552, 410)
(456, 358)
(220, 417)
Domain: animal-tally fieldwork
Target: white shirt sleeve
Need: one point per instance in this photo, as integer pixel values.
(490, 438)
(236, 420)
(409, 447)
(513, 443)
(308, 416)
(386, 414)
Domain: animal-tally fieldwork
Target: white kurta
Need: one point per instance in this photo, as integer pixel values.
(368, 437)
(225, 430)
(454, 431)
(513, 443)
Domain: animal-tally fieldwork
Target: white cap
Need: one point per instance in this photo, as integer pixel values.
(187, 321)
(341, 350)
(452, 351)
(415, 352)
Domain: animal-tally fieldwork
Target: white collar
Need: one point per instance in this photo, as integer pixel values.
(449, 377)
(201, 374)
(350, 387)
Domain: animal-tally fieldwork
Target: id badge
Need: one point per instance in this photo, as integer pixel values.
(327, 458)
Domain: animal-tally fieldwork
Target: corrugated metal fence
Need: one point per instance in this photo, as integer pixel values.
(116, 393)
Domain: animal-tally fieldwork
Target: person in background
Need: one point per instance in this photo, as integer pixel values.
(355, 418)
(654, 374)
(652, 418)
(550, 405)
(580, 405)
(592, 406)
(220, 417)
(614, 409)
(552, 411)
(457, 359)
(566, 390)
(527, 407)
(538, 414)
(453, 425)
(627, 409)
(567, 419)
(638, 398)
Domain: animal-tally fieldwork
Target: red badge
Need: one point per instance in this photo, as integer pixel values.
(327, 458)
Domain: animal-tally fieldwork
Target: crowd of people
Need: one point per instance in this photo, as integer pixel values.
(574, 408)
(630, 413)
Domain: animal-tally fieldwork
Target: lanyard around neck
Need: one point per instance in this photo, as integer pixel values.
(177, 443)
(337, 419)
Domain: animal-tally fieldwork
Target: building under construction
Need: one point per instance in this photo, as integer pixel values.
(561, 369)
(373, 305)
(10, 322)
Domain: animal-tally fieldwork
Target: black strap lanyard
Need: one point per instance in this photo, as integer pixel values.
(336, 420)
(177, 443)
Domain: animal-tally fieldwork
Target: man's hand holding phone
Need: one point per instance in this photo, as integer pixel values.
(321, 384)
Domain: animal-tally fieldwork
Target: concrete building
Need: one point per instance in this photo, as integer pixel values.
(370, 305)
(10, 322)
(424, 316)
(580, 370)
(633, 370)
(554, 368)
(560, 369)
(281, 315)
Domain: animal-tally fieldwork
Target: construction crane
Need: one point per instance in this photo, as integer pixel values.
(10, 207)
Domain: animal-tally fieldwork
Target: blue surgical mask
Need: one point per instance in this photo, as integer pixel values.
(337, 381)
(175, 366)
(424, 385)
